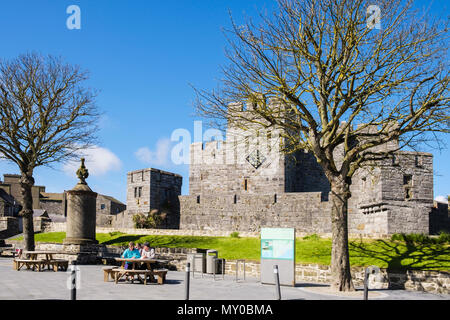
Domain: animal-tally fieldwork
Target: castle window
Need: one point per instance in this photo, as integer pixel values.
(408, 193)
(275, 198)
(395, 160)
(235, 199)
(418, 160)
(198, 199)
(137, 192)
(407, 180)
(407, 184)
(245, 184)
(102, 206)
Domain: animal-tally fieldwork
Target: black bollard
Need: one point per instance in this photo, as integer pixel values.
(366, 284)
(277, 282)
(73, 279)
(188, 270)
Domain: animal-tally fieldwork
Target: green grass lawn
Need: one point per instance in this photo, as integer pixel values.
(398, 254)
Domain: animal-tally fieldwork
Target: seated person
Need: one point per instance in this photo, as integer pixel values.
(147, 252)
(139, 247)
(130, 253)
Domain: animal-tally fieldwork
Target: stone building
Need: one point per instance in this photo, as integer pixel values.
(54, 204)
(11, 185)
(153, 189)
(8, 206)
(109, 205)
(245, 183)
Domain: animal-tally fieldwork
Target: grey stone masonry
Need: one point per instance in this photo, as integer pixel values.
(150, 189)
(246, 182)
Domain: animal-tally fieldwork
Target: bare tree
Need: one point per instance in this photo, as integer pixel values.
(46, 116)
(347, 89)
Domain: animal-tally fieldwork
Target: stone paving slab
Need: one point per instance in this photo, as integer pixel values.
(29, 285)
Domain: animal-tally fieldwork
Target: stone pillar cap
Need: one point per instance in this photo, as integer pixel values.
(81, 187)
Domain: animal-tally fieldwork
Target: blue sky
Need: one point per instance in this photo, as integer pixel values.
(142, 56)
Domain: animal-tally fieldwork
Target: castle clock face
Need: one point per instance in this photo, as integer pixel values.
(256, 159)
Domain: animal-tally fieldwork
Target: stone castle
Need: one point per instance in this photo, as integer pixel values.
(245, 183)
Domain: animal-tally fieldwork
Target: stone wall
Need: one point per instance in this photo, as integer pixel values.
(440, 218)
(150, 189)
(304, 211)
(122, 220)
(9, 226)
(429, 281)
(107, 205)
(393, 196)
(53, 206)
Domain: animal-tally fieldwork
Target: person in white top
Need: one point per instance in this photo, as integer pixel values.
(147, 252)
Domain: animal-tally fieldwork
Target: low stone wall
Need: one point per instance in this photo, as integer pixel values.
(429, 281)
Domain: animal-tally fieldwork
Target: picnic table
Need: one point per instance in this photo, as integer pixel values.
(48, 254)
(34, 263)
(148, 272)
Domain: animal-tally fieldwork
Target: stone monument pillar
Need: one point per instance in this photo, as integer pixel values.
(81, 212)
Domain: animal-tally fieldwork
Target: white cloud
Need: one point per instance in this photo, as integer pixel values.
(441, 199)
(99, 161)
(158, 157)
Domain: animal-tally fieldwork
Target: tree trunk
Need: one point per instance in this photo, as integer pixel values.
(26, 184)
(340, 262)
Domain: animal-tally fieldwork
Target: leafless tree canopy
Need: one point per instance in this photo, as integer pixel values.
(45, 113)
(46, 116)
(321, 58)
(345, 88)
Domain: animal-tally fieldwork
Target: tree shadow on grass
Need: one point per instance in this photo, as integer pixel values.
(122, 240)
(401, 256)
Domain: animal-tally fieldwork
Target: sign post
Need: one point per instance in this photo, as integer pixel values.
(278, 248)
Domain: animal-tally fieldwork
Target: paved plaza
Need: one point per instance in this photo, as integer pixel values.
(29, 285)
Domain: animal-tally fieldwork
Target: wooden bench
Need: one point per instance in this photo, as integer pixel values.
(161, 273)
(57, 264)
(30, 264)
(107, 272)
(118, 273)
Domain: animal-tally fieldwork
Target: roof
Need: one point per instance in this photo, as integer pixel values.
(156, 170)
(6, 197)
(39, 213)
(51, 196)
(112, 199)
